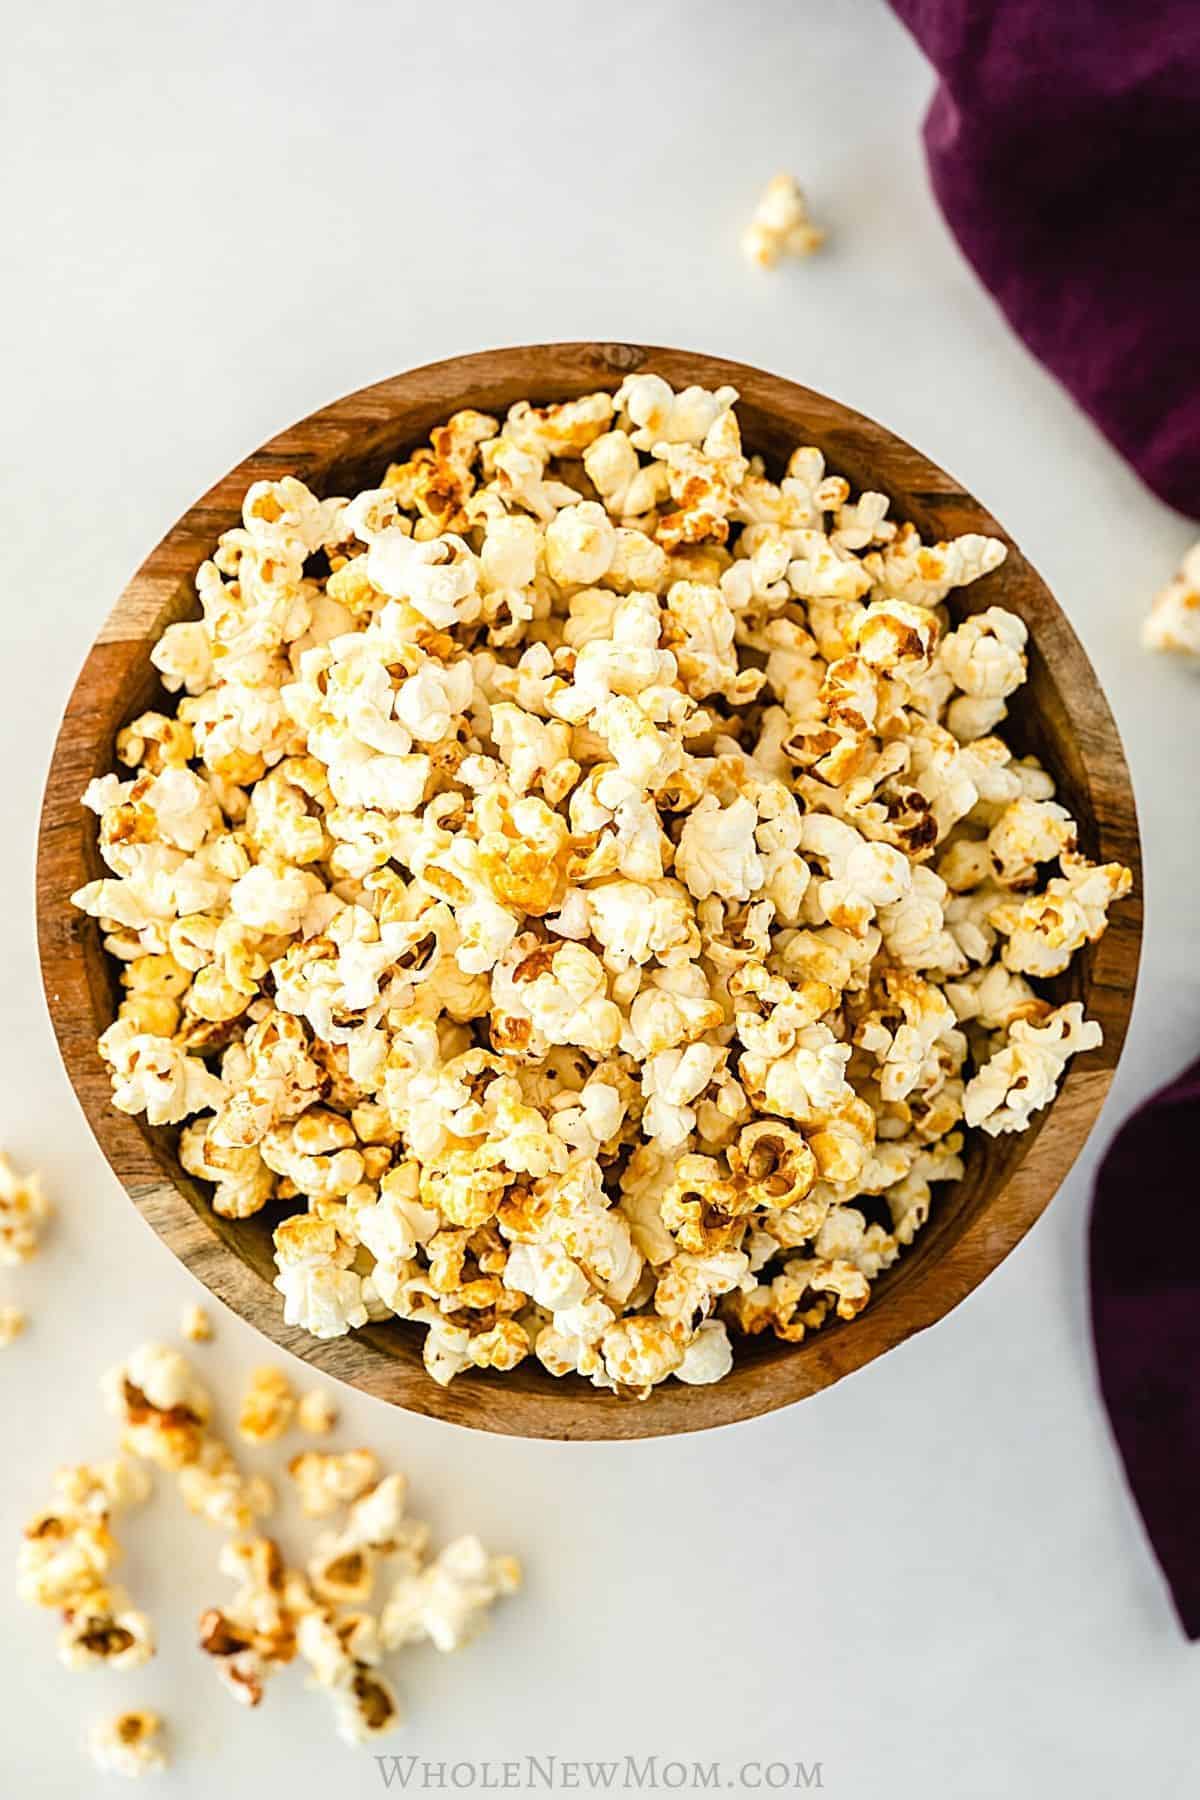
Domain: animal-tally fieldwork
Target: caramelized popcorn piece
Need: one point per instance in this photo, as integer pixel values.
(129, 1745)
(575, 872)
(781, 225)
(163, 1409)
(102, 1629)
(268, 1406)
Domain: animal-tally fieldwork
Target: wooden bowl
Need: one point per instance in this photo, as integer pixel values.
(1061, 715)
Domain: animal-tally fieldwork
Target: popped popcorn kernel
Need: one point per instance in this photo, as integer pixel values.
(131, 1744)
(13, 1321)
(317, 1412)
(268, 1406)
(195, 1325)
(781, 225)
(24, 1210)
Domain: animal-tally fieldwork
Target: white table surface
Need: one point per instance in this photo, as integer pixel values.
(929, 1579)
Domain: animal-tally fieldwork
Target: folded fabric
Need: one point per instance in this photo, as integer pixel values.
(1064, 149)
(1146, 1322)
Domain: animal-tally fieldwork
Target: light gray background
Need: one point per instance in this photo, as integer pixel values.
(930, 1578)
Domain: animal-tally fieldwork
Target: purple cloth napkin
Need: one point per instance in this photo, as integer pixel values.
(1064, 149)
(1146, 1321)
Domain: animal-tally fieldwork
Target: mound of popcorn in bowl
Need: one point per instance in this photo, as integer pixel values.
(583, 890)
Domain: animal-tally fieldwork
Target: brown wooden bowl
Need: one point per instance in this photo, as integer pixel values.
(1061, 715)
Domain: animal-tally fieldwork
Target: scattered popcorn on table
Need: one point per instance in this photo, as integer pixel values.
(277, 1611)
(581, 882)
(280, 1611)
(131, 1744)
(781, 225)
(24, 1210)
(317, 1413)
(268, 1406)
(195, 1325)
(1173, 622)
(12, 1323)
(66, 1561)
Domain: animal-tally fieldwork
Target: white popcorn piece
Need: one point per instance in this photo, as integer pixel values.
(573, 873)
(1173, 622)
(447, 1602)
(781, 225)
(131, 1744)
(1023, 1077)
(326, 1480)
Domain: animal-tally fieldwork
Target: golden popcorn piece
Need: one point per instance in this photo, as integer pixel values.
(575, 872)
(268, 1406)
(24, 1211)
(13, 1321)
(163, 1409)
(316, 1412)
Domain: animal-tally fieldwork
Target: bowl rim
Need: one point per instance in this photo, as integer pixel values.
(211, 1249)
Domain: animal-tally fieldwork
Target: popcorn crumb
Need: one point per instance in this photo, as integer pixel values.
(317, 1413)
(130, 1744)
(267, 1407)
(195, 1325)
(13, 1321)
(781, 225)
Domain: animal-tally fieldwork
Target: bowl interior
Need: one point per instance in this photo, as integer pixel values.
(1060, 716)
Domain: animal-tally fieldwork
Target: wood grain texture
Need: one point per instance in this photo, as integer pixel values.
(1061, 715)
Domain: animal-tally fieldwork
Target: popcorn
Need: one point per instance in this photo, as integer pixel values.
(213, 1486)
(195, 1325)
(267, 1406)
(564, 909)
(130, 1744)
(781, 225)
(24, 1210)
(66, 1558)
(163, 1409)
(447, 1603)
(1023, 1077)
(1173, 623)
(103, 1630)
(12, 1324)
(255, 1634)
(327, 1480)
(317, 1412)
